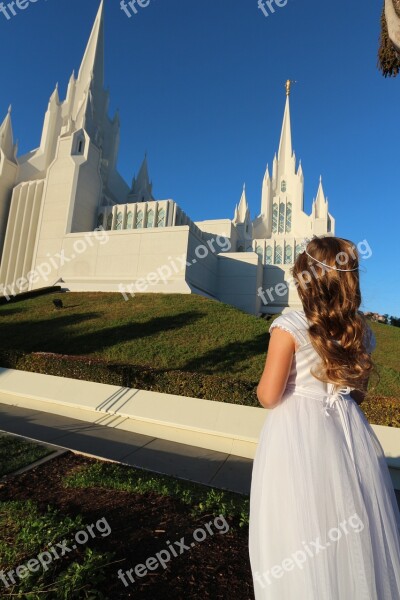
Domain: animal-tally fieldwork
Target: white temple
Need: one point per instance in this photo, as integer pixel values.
(54, 199)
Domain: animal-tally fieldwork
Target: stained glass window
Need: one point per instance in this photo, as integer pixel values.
(118, 223)
(161, 218)
(281, 217)
(288, 254)
(268, 255)
(275, 218)
(278, 255)
(288, 217)
(297, 250)
(283, 186)
(259, 251)
(109, 221)
(150, 218)
(129, 220)
(139, 219)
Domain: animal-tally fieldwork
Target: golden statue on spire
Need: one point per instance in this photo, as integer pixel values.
(288, 85)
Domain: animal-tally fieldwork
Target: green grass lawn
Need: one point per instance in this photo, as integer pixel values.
(26, 532)
(164, 331)
(16, 453)
(174, 331)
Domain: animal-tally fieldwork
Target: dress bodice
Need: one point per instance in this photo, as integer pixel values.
(295, 322)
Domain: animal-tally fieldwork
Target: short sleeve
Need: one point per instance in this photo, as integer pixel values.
(284, 323)
(370, 340)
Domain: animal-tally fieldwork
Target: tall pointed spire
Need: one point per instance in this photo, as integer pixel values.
(243, 206)
(320, 201)
(55, 98)
(92, 65)
(285, 144)
(6, 137)
(141, 185)
(143, 178)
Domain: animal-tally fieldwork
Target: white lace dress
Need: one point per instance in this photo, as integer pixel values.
(324, 521)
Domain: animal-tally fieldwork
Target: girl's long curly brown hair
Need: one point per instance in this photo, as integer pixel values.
(331, 300)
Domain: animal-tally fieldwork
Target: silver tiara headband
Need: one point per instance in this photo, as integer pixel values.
(305, 243)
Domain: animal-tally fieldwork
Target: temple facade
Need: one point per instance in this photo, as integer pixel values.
(68, 217)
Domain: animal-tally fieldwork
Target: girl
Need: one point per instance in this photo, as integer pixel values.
(324, 521)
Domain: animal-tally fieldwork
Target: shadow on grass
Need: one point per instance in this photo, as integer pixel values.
(228, 357)
(6, 312)
(57, 335)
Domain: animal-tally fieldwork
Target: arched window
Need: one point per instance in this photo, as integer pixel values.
(118, 222)
(288, 217)
(281, 217)
(150, 218)
(240, 249)
(129, 220)
(275, 218)
(329, 224)
(288, 254)
(278, 255)
(268, 255)
(161, 218)
(283, 186)
(259, 250)
(109, 221)
(297, 251)
(100, 220)
(139, 219)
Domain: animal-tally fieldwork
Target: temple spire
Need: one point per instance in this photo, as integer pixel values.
(6, 137)
(55, 98)
(319, 204)
(285, 145)
(243, 207)
(92, 66)
(142, 187)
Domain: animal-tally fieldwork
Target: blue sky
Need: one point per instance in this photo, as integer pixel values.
(200, 86)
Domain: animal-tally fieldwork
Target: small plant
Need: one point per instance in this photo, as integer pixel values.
(200, 498)
(25, 532)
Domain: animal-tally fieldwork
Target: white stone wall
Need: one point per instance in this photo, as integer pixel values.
(18, 256)
(8, 172)
(239, 276)
(111, 258)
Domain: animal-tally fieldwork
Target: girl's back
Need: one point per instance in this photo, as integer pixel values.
(324, 520)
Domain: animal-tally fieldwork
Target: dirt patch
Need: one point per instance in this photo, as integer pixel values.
(216, 568)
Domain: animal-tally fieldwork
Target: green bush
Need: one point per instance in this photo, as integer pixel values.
(182, 383)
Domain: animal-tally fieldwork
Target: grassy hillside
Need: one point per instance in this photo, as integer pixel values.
(174, 331)
(164, 331)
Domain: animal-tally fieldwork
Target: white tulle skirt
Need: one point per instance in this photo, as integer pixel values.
(324, 521)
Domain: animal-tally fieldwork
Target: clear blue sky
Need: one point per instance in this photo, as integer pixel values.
(199, 85)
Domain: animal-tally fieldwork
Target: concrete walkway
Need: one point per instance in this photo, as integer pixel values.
(208, 467)
(216, 469)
